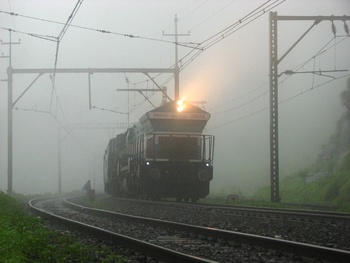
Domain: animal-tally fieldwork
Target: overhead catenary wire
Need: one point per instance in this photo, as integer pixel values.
(211, 16)
(257, 12)
(295, 69)
(281, 102)
(194, 10)
(60, 36)
(193, 46)
(58, 40)
(210, 46)
(188, 58)
(62, 33)
(103, 31)
(52, 77)
(320, 52)
(45, 37)
(221, 35)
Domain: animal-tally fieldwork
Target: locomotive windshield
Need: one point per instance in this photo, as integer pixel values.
(178, 147)
(174, 147)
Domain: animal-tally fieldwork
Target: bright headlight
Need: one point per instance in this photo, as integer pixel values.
(180, 105)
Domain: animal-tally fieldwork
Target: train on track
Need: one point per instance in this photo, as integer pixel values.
(166, 155)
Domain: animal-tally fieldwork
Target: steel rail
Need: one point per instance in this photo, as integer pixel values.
(303, 249)
(308, 214)
(149, 249)
(267, 211)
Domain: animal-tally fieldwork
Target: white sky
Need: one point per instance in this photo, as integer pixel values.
(231, 76)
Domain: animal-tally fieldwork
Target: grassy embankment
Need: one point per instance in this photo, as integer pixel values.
(24, 238)
(332, 190)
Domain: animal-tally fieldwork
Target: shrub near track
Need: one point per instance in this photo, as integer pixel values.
(23, 238)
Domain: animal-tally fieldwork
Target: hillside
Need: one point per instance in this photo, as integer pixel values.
(328, 179)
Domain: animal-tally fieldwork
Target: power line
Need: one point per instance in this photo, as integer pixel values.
(296, 70)
(70, 19)
(194, 10)
(256, 13)
(193, 46)
(261, 9)
(103, 31)
(221, 35)
(253, 15)
(320, 52)
(323, 50)
(243, 104)
(211, 16)
(281, 102)
(58, 40)
(245, 94)
(45, 37)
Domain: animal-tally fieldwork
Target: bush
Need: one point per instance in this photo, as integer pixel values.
(23, 238)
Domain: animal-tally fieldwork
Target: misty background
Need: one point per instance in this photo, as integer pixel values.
(230, 76)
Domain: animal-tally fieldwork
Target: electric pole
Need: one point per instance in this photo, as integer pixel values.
(9, 115)
(177, 68)
(274, 61)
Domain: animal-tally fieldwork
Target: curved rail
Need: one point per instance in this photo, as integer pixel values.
(263, 211)
(158, 252)
(306, 250)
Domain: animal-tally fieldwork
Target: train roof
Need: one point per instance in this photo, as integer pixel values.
(167, 118)
(172, 106)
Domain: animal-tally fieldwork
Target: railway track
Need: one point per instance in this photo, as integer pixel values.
(160, 238)
(285, 214)
(54, 209)
(318, 228)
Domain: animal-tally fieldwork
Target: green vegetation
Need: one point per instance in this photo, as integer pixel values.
(331, 182)
(24, 238)
(332, 190)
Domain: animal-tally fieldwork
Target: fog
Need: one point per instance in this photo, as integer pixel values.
(231, 77)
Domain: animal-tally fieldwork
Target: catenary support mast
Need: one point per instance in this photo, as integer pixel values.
(274, 61)
(9, 118)
(177, 68)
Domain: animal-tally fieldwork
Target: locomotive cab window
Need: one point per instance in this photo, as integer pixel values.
(178, 147)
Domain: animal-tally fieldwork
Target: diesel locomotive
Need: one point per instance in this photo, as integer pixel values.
(166, 155)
